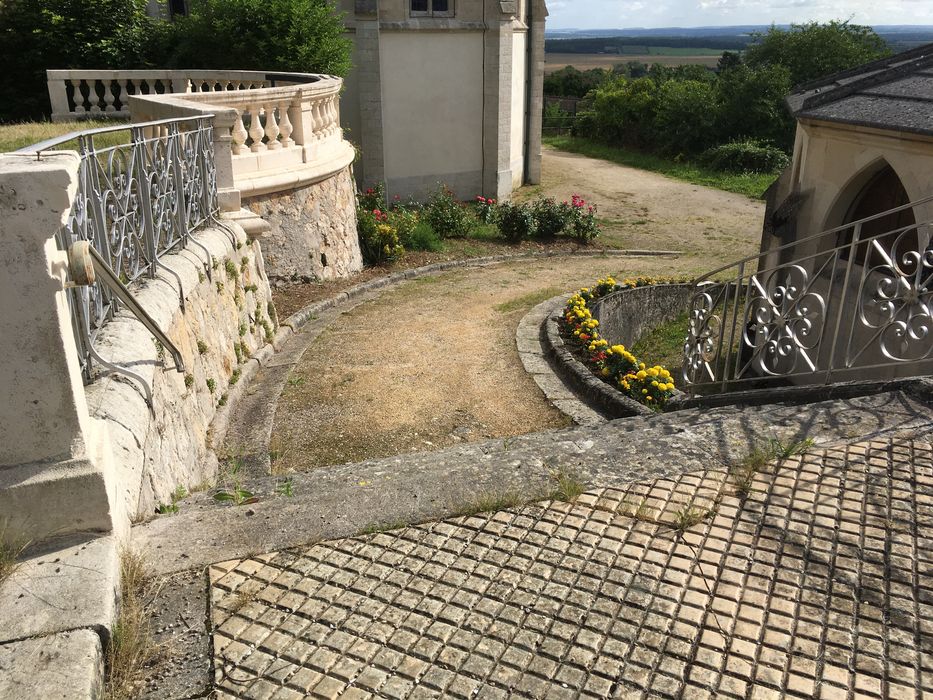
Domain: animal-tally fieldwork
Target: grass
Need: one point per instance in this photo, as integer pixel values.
(752, 185)
(743, 472)
(665, 344)
(689, 516)
(568, 486)
(526, 301)
(387, 526)
(16, 136)
(11, 548)
(131, 646)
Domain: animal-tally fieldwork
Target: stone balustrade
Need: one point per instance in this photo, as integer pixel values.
(85, 94)
(278, 147)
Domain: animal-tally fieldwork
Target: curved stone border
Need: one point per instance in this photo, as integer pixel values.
(533, 354)
(594, 391)
(263, 397)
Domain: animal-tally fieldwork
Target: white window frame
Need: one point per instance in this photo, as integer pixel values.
(449, 12)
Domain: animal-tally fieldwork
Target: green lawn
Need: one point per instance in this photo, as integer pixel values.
(752, 185)
(16, 136)
(664, 345)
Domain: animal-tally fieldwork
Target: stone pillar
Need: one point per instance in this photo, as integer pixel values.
(55, 464)
(369, 80)
(497, 91)
(536, 25)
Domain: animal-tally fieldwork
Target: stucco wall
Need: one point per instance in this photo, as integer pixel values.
(519, 101)
(157, 451)
(832, 162)
(313, 229)
(432, 89)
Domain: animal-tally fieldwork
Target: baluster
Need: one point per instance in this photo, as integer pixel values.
(239, 134)
(285, 125)
(272, 128)
(318, 119)
(108, 97)
(92, 97)
(255, 129)
(78, 97)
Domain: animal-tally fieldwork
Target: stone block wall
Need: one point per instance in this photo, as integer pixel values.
(313, 229)
(625, 316)
(228, 318)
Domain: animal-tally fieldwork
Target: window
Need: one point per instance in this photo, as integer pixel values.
(432, 8)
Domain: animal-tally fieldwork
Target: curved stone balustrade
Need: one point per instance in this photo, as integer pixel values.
(280, 156)
(84, 94)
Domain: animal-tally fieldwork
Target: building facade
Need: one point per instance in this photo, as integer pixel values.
(445, 91)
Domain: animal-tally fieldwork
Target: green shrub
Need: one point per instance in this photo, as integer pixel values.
(423, 237)
(404, 222)
(379, 241)
(516, 222)
(746, 157)
(448, 217)
(373, 198)
(686, 116)
(582, 225)
(36, 35)
(273, 35)
(551, 218)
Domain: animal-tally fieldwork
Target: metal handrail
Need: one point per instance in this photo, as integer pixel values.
(832, 311)
(135, 203)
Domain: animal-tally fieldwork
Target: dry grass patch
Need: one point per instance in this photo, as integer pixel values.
(11, 548)
(131, 646)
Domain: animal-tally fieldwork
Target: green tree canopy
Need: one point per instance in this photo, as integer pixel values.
(570, 82)
(813, 50)
(306, 36)
(39, 34)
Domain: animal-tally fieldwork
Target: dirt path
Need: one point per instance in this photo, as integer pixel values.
(433, 362)
(640, 209)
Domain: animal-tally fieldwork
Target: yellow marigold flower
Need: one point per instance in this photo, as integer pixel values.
(641, 374)
(644, 391)
(655, 383)
(626, 386)
(604, 371)
(648, 398)
(641, 365)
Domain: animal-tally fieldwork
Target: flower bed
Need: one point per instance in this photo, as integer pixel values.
(615, 364)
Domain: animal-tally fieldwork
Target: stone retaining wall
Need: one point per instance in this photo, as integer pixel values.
(626, 316)
(226, 320)
(313, 229)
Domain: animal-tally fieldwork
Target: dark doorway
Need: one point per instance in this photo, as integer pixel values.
(882, 193)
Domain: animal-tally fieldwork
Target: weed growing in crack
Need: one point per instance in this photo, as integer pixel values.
(375, 528)
(235, 377)
(233, 491)
(178, 494)
(11, 548)
(223, 399)
(202, 347)
(493, 501)
(743, 473)
(211, 385)
(639, 511)
(689, 516)
(285, 487)
(568, 486)
(131, 646)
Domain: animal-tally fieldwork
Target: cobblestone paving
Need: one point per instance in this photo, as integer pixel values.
(819, 583)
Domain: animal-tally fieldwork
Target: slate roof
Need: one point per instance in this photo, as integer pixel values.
(895, 93)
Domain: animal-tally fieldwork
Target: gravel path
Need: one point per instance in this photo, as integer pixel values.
(432, 363)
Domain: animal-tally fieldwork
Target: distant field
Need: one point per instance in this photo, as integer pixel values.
(585, 61)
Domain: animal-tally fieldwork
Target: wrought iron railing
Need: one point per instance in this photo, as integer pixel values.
(136, 200)
(850, 303)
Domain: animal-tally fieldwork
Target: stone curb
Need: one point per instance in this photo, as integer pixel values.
(298, 319)
(595, 392)
(531, 351)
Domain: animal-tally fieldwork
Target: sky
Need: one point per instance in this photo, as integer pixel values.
(618, 14)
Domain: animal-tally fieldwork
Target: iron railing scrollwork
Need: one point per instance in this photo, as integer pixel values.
(849, 303)
(135, 202)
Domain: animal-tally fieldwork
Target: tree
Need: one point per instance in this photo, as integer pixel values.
(623, 112)
(814, 50)
(686, 117)
(571, 82)
(36, 35)
(751, 105)
(304, 36)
